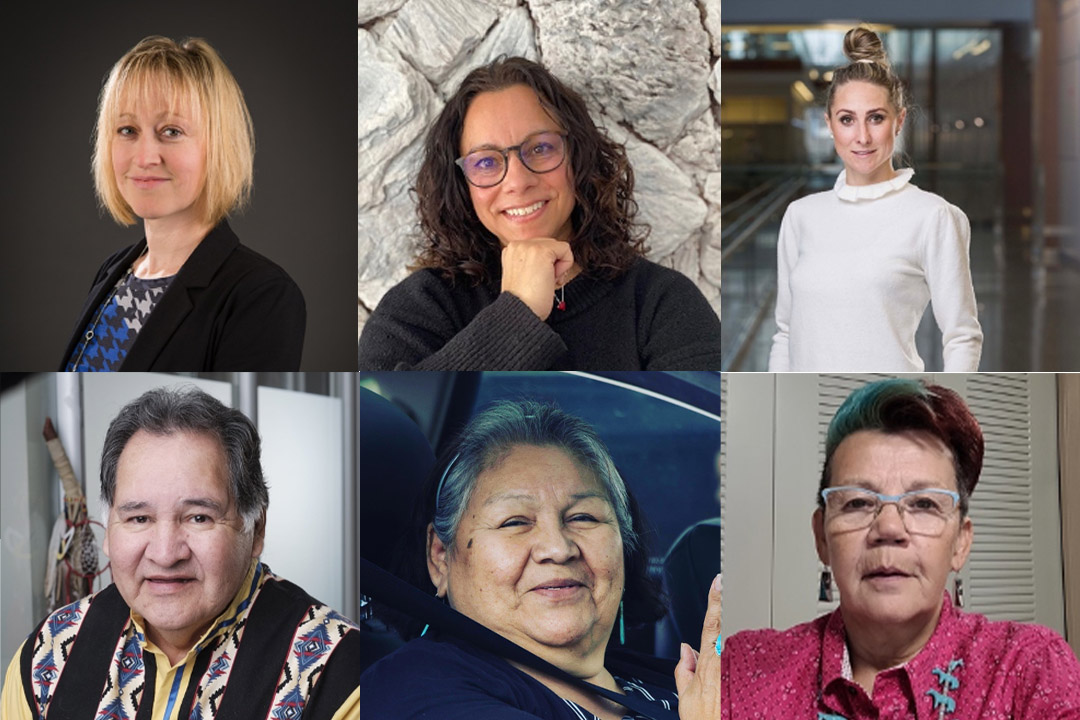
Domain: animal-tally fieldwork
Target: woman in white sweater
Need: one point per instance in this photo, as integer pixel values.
(858, 264)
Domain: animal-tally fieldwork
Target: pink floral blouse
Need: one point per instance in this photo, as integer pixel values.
(971, 669)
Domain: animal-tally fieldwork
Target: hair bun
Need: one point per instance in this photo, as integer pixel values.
(863, 45)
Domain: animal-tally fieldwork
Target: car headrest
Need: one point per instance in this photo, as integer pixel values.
(394, 460)
(689, 568)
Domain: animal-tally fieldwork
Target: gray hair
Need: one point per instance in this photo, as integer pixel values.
(163, 411)
(490, 435)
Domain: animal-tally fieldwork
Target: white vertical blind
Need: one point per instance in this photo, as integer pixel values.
(1002, 562)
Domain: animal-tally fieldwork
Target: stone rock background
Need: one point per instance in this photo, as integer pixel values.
(649, 69)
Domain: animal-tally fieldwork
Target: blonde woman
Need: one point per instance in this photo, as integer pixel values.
(858, 264)
(174, 147)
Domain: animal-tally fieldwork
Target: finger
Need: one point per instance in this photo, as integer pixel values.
(684, 671)
(710, 629)
(564, 258)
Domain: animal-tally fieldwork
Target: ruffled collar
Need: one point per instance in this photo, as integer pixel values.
(854, 193)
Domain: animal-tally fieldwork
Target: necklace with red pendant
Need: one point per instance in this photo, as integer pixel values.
(561, 297)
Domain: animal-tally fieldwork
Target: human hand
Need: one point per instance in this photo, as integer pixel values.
(697, 676)
(530, 269)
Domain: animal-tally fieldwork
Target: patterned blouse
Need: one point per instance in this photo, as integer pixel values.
(971, 668)
(109, 336)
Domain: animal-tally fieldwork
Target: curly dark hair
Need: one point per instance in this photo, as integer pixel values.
(606, 239)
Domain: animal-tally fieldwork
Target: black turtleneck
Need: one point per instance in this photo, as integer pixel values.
(649, 318)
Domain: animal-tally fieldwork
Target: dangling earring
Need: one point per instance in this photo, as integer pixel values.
(958, 592)
(825, 586)
(422, 632)
(622, 627)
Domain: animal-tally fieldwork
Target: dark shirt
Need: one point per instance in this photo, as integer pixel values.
(451, 680)
(649, 318)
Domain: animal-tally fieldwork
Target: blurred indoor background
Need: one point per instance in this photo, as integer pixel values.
(994, 128)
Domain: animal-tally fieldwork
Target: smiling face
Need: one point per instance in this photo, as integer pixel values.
(159, 159)
(525, 205)
(175, 541)
(864, 125)
(887, 575)
(538, 556)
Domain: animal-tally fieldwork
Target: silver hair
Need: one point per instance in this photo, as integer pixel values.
(163, 411)
(490, 435)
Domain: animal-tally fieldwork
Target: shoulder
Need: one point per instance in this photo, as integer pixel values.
(653, 276)
(221, 260)
(253, 266)
(794, 651)
(914, 198)
(291, 594)
(457, 666)
(431, 678)
(1020, 640)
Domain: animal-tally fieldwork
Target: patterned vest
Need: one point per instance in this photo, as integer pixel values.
(274, 657)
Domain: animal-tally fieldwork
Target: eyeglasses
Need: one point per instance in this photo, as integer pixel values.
(923, 512)
(540, 153)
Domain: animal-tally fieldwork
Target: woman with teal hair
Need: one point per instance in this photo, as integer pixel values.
(902, 458)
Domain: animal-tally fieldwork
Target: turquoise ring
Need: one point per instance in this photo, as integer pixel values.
(719, 643)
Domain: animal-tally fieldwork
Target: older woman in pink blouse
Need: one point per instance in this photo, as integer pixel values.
(902, 458)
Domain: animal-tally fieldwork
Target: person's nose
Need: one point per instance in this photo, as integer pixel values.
(167, 544)
(554, 543)
(863, 135)
(147, 151)
(518, 177)
(888, 526)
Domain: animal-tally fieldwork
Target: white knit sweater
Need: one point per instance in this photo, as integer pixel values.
(856, 268)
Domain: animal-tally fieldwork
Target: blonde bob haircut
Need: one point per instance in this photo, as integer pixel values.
(195, 82)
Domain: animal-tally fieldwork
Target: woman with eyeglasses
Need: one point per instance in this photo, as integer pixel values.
(531, 258)
(901, 461)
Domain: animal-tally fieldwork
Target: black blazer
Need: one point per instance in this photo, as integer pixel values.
(228, 308)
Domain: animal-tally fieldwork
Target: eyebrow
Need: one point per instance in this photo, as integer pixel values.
(576, 497)
(490, 146)
(915, 485)
(200, 502)
(874, 110)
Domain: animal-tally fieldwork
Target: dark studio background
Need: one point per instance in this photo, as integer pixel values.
(294, 63)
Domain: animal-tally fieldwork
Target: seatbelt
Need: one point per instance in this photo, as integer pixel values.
(391, 590)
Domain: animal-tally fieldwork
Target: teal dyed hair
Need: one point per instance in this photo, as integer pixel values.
(862, 408)
(900, 405)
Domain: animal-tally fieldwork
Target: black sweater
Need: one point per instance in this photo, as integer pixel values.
(650, 318)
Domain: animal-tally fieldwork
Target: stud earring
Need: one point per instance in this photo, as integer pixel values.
(825, 593)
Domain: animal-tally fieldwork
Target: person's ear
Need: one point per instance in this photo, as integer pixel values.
(817, 521)
(259, 536)
(438, 568)
(962, 548)
(900, 121)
